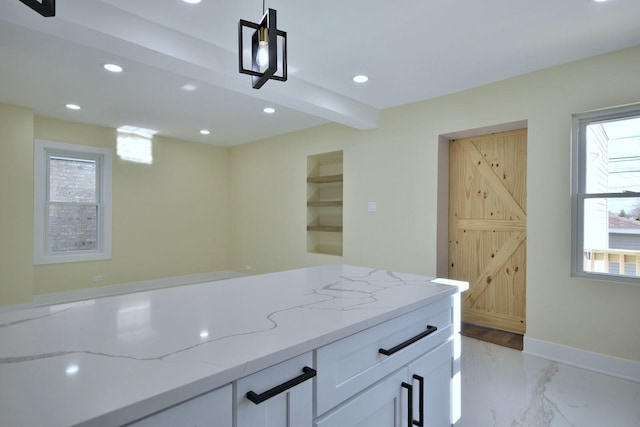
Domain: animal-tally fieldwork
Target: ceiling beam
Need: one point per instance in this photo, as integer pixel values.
(102, 26)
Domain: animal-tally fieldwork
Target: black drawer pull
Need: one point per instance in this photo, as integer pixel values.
(389, 352)
(256, 398)
(420, 423)
(409, 388)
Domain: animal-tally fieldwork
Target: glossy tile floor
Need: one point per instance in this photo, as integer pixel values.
(503, 387)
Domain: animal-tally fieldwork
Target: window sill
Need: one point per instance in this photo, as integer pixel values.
(59, 259)
(602, 277)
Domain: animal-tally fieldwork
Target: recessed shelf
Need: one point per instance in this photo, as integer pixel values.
(326, 249)
(324, 203)
(328, 228)
(327, 179)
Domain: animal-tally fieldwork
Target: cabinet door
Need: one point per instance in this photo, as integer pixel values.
(383, 405)
(350, 365)
(431, 376)
(293, 407)
(211, 409)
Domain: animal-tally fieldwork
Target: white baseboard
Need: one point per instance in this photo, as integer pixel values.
(126, 288)
(14, 307)
(609, 365)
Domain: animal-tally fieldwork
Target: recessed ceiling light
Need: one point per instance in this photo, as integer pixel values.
(189, 87)
(192, 1)
(360, 78)
(114, 68)
(269, 110)
(72, 106)
(600, 1)
(205, 132)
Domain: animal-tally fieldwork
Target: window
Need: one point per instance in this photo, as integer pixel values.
(606, 194)
(72, 216)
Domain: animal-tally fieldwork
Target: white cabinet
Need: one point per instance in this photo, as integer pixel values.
(383, 405)
(282, 395)
(348, 366)
(431, 377)
(394, 374)
(427, 381)
(212, 409)
(398, 373)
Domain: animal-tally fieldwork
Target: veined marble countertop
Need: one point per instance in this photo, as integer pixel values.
(112, 360)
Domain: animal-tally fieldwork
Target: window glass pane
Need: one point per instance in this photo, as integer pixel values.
(613, 156)
(612, 235)
(72, 180)
(72, 228)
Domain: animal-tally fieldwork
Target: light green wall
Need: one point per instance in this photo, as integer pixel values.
(170, 218)
(16, 207)
(246, 205)
(397, 166)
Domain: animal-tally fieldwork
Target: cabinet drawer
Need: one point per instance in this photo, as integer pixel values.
(293, 405)
(348, 366)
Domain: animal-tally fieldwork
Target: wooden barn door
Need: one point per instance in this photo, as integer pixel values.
(487, 227)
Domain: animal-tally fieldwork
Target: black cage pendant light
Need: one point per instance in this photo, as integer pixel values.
(268, 49)
(45, 8)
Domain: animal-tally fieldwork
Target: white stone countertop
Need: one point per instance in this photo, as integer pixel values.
(112, 360)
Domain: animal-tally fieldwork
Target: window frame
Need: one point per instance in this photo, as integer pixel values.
(43, 150)
(579, 182)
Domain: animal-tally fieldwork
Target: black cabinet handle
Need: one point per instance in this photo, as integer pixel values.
(409, 388)
(256, 398)
(389, 352)
(420, 422)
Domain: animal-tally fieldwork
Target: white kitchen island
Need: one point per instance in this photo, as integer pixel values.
(188, 355)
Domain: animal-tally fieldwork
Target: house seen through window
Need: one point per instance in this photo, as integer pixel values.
(73, 195)
(607, 194)
(72, 204)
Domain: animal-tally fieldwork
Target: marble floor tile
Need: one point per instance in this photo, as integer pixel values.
(502, 387)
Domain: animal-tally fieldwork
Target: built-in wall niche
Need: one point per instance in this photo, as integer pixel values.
(324, 203)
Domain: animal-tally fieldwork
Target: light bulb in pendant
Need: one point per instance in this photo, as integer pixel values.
(262, 56)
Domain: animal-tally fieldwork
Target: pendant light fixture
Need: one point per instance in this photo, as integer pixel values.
(45, 8)
(268, 49)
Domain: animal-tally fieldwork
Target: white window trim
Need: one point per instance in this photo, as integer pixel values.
(578, 187)
(40, 252)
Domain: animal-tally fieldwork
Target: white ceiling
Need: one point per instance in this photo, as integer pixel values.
(411, 50)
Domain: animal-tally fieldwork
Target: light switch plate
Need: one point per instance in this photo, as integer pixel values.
(372, 206)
